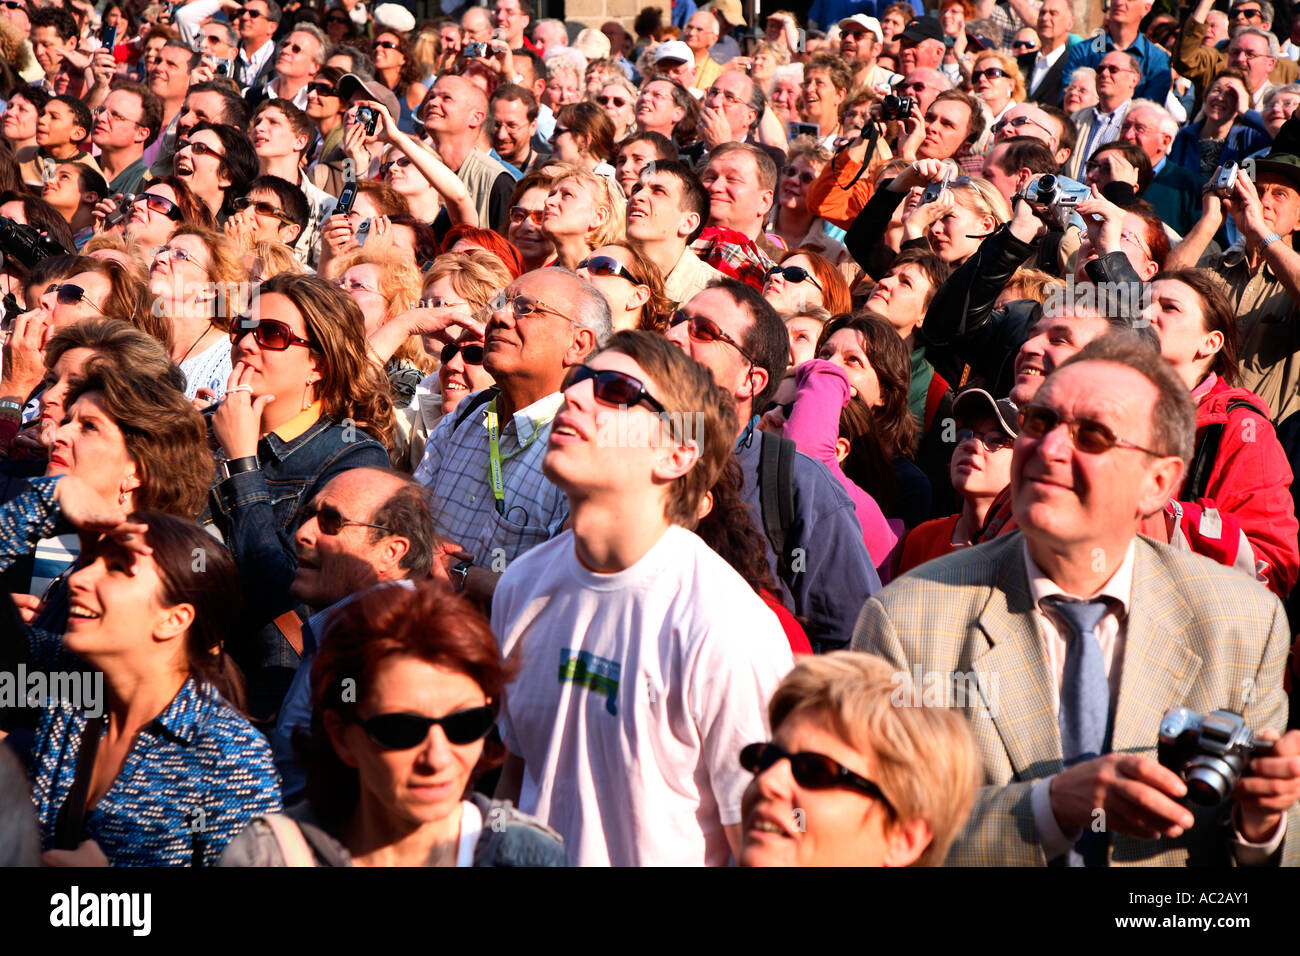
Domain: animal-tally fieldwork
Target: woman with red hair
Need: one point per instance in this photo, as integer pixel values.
(464, 238)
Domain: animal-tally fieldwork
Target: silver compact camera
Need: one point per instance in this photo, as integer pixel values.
(1225, 178)
(1210, 752)
(1057, 196)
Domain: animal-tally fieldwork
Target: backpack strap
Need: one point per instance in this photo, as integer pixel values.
(478, 401)
(1207, 452)
(293, 846)
(776, 497)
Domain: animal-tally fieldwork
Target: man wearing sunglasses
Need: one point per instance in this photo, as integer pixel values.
(1122, 33)
(1081, 634)
(1200, 61)
(826, 573)
(300, 57)
(597, 754)
(365, 527)
(1117, 80)
(273, 210)
(256, 21)
(483, 463)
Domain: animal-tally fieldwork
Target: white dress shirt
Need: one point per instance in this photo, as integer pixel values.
(1044, 62)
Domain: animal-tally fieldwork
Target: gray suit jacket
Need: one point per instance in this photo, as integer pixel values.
(1199, 635)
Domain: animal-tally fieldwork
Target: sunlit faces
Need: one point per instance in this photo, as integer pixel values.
(847, 349)
(959, 233)
(1279, 110)
(114, 606)
(975, 470)
(947, 124)
(789, 825)
(632, 159)
(46, 44)
(1049, 343)
(731, 370)
(821, 99)
(736, 200)
(572, 209)
(66, 374)
(58, 126)
(201, 107)
(1280, 202)
(625, 296)
(426, 783)
(199, 163)
(289, 374)
(788, 296)
(274, 137)
(785, 98)
(1176, 315)
(1079, 94)
(457, 378)
(991, 85)
(148, 227)
(387, 54)
(525, 230)
(89, 445)
(620, 104)
(540, 339)
(20, 121)
(1116, 77)
(511, 129)
(655, 109)
(803, 331)
(1134, 244)
(63, 190)
(117, 123)
(297, 57)
(169, 76)
(900, 297)
(96, 289)
(363, 283)
(562, 88)
(655, 212)
(181, 279)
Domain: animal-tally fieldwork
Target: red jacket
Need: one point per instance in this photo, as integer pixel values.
(1250, 486)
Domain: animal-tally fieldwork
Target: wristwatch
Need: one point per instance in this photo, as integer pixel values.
(1271, 238)
(460, 574)
(239, 466)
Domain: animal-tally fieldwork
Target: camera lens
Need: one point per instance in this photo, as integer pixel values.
(1210, 779)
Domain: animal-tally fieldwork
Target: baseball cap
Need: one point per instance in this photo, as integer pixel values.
(351, 83)
(731, 12)
(867, 23)
(975, 403)
(674, 50)
(922, 28)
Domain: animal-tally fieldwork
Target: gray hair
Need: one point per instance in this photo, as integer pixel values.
(566, 57)
(589, 306)
(317, 34)
(362, 65)
(791, 71)
(551, 24)
(1265, 10)
(1272, 94)
(1084, 72)
(227, 30)
(1164, 119)
(1273, 49)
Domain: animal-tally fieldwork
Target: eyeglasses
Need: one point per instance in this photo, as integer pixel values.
(472, 354)
(1088, 435)
(293, 48)
(1129, 236)
(269, 334)
(166, 253)
(992, 73)
(354, 285)
(1112, 68)
(613, 388)
(608, 266)
(68, 294)
(518, 214)
(330, 521)
(264, 209)
(1024, 45)
(560, 131)
(794, 274)
(322, 89)
(705, 330)
(522, 305)
(402, 161)
(805, 176)
(1016, 122)
(199, 149)
(404, 731)
(114, 115)
(245, 12)
(1245, 55)
(386, 45)
(613, 101)
(159, 204)
(727, 95)
(992, 441)
(812, 771)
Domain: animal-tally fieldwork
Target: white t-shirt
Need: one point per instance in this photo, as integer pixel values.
(636, 692)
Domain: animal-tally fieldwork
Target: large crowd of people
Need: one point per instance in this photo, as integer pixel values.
(467, 438)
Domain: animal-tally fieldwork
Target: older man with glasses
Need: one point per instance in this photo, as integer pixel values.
(483, 463)
(1201, 63)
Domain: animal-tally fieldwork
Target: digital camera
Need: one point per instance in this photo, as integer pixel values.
(368, 118)
(1056, 195)
(1209, 752)
(121, 212)
(475, 50)
(894, 107)
(1225, 178)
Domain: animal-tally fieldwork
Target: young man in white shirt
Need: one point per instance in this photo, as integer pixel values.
(645, 661)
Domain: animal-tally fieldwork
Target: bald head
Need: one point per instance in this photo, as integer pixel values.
(455, 106)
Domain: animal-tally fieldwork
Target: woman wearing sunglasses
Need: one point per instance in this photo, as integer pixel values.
(527, 205)
(850, 778)
(325, 108)
(397, 69)
(383, 286)
(617, 97)
(97, 289)
(792, 218)
(1238, 468)
(980, 470)
(197, 281)
(631, 284)
(155, 214)
(305, 401)
(583, 212)
(804, 280)
(997, 80)
(389, 767)
(457, 288)
(216, 162)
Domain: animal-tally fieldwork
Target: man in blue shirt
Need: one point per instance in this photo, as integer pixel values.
(1122, 32)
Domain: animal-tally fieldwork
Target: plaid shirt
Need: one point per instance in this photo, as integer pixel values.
(455, 466)
(734, 254)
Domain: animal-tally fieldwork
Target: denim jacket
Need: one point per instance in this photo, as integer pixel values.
(255, 512)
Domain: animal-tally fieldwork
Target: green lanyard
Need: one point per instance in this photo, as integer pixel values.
(495, 457)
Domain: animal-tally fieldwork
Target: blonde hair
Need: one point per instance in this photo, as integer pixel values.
(925, 759)
(477, 275)
(399, 284)
(1034, 284)
(603, 194)
(1009, 64)
(276, 257)
(226, 272)
(982, 198)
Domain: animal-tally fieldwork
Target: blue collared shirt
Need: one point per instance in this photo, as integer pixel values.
(1152, 59)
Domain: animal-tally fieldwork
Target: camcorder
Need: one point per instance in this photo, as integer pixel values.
(1210, 752)
(25, 245)
(894, 107)
(1056, 197)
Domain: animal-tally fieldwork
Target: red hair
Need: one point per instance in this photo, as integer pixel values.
(489, 241)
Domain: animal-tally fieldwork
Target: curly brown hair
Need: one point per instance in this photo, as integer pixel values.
(890, 360)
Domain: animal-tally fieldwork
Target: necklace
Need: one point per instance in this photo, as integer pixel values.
(206, 330)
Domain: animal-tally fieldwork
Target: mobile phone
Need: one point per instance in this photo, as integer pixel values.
(108, 38)
(801, 41)
(347, 196)
(804, 129)
(363, 233)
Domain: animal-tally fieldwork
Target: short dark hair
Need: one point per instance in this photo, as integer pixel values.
(151, 108)
(273, 12)
(297, 119)
(407, 514)
(695, 198)
(64, 23)
(192, 55)
(935, 269)
(292, 201)
(362, 65)
(975, 128)
(665, 148)
(516, 93)
(766, 340)
(1025, 152)
(240, 163)
(235, 111)
(32, 94)
(540, 72)
(88, 181)
(1069, 137)
(80, 114)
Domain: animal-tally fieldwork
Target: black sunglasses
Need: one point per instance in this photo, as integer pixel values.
(200, 149)
(805, 176)
(330, 521)
(1024, 45)
(245, 12)
(794, 274)
(607, 266)
(386, 44)
(269, 334)
(995, 72)
(472, 354)
(813, 771)
(264, 208)
(1089, 436)
(404, 731)
(69, 294)
(322, 89)
(613, 388)
(705, 330)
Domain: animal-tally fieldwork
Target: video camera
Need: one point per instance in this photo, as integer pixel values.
(25, 245)
(1057, 196)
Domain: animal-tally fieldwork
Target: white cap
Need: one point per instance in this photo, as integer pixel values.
(394, 16)
(866, 22)
(674, 50)
(592, 44)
